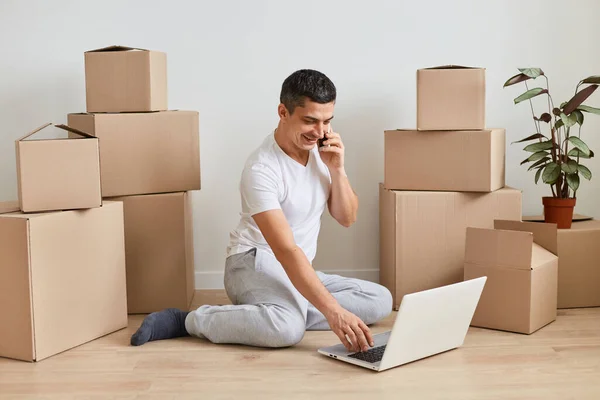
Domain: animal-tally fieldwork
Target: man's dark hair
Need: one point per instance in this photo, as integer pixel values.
(306, 83)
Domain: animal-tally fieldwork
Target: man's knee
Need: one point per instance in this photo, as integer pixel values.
(382, 303)
(288, 335)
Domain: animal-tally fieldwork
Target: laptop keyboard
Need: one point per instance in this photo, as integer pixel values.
(372, 355)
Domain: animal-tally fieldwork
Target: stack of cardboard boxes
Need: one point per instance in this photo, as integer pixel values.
(444, 187)
(103, 224)
(150, 160)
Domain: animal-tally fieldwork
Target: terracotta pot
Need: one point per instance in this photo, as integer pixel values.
(559, 211)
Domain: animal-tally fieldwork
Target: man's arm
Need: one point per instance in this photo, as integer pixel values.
(342, 202)
(278, 235)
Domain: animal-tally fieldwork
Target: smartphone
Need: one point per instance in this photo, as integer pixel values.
(320, 142)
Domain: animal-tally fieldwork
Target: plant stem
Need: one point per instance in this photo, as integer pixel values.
(536, 123)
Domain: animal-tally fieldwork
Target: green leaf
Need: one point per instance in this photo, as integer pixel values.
(532, 93)
(580, 154)
(551, 173)
(573, 181)
(568, 120)
(578, 116)
(544, 117)
(539, 163)
(569, 167)
(537, 175)
(579, 98)
(516, 79)
(531, 72)
(562, 105)
(578, 143)
(547, 145)
(535, 156)
(587, 174)
(589, 109)
(559, 124)
(592, 79)
(534, 136)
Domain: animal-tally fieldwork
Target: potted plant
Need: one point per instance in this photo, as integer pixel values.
(557, 155)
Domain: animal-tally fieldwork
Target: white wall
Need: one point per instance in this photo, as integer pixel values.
(227, 60)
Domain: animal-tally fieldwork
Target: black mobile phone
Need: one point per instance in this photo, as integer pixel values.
(320, 142)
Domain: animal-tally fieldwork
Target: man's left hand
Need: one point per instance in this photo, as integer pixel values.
(332, 152)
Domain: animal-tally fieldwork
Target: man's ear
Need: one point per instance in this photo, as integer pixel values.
(282, 112)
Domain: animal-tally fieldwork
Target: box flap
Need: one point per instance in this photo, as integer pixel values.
(115, 48)
(452, 66)
(9, 206)
(498, 248)
(543, 234)
(77, 131)
(61, 126)
(34, 131)
(540, 218)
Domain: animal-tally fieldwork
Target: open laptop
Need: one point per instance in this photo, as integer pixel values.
(428, 323)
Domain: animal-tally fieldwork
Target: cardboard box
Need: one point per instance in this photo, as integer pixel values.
(422, 234)
(463, 161)
(145, 153)
(522, 270)
(578, 262)
(159, 250)
(58, 174)
(62, 280)
(451, 97)
(125, 79)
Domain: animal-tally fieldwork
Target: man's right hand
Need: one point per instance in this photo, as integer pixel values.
(342, 322)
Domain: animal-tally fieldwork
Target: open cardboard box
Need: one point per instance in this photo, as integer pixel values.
(125, 79)
(522, 269)
(62, 279)
(578, 261)
(451, 97)
(462, 161)
(58, 174)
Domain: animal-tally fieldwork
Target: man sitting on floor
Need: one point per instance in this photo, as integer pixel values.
(285, 186)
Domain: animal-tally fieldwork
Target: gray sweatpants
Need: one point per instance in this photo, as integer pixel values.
(268, 311)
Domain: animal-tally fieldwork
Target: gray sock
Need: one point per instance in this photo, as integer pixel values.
(165, 324)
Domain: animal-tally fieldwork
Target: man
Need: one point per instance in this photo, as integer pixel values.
(285, 186)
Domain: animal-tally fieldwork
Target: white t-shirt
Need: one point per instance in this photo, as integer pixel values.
(273, 180)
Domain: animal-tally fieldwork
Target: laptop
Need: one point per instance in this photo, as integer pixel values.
(428, 323)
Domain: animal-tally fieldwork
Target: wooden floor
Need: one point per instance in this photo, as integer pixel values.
(561, 361)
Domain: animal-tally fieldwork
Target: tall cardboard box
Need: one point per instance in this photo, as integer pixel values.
(58, 174)
(578, 261)
(522, 271)
(422, 234)
(125, 79)
(469, 161)
(62, 279)
(451, 97)
(159, 251)
(145, 153)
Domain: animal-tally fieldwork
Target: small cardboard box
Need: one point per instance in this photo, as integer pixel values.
(58, 174)
(522, 270)
(462, 161)
(451, 97)
(578, 261)
(62, 280)
(422, 234)
(125, 79)
(159, 251)
(145, 153)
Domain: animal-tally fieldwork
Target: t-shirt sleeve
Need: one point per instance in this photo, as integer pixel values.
(259, 189)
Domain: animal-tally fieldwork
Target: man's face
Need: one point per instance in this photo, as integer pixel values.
(308, 123)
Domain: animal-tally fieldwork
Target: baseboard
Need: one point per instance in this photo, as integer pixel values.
(214, 279)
